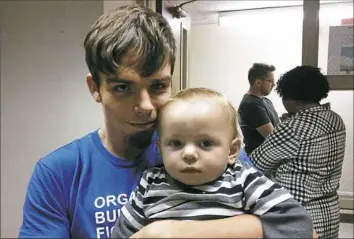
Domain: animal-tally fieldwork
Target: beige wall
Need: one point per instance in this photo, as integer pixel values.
(44, 99)
(112, 4)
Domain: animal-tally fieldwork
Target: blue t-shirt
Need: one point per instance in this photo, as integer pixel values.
(77, 191)
(244, 157)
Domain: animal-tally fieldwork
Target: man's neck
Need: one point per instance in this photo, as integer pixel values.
(255, 92)
(117, 144)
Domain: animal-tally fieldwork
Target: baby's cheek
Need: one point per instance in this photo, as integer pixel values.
(219, 167)
(171, 163)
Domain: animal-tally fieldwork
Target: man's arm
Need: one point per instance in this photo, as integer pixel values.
(280, 145)
(44, 214)
(243, 226)
(265, 129)
(255, 115)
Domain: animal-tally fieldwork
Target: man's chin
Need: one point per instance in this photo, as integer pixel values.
(141, 139)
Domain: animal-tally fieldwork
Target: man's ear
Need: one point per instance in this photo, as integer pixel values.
(234, 150)
(93, 88)
(258, 82)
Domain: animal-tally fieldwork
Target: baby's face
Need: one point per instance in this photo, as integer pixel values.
(196, 140)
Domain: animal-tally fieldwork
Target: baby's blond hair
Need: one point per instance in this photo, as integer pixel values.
(191, 93)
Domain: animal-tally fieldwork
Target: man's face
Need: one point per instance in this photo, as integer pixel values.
(131, 103)
(196, 141)
(267, 84)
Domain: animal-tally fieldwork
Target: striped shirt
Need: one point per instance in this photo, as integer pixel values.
(304, 154)
(241, 189)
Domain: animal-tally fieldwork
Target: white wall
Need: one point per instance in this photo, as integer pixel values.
(113, 4)
(44, 99)
(220, 58)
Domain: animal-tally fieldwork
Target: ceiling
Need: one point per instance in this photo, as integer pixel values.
(206, 7)
(203, 8)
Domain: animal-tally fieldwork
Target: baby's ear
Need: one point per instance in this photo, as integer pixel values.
(234, 150)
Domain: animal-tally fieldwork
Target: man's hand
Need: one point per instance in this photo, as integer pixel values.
(161, 229)
(314, 235)
(286, 116)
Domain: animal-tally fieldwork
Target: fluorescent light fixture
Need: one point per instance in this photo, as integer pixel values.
(329, 14)
(261, 18)
(243, 5)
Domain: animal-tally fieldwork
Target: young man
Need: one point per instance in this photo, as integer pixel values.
(257, 115)
(77, 190)
(200, 178)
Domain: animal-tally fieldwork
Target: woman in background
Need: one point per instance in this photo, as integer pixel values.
(305, 153)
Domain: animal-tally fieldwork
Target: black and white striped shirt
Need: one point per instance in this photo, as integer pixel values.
(304, 154)
(241, 189)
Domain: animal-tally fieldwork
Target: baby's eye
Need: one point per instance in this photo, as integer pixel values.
(175, 143)
(206, 143)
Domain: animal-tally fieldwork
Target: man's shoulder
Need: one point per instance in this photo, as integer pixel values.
(68, 155)
(268, 100)
(268, 103)
(249, 100)
(249, 105)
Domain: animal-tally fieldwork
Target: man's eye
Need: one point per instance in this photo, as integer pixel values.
(158, 86)
(206, 144)
(122, 88)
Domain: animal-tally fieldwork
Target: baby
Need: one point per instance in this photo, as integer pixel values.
(201, 178)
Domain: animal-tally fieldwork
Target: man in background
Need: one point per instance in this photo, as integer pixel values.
(257, 115)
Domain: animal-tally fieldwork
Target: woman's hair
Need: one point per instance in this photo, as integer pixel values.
(303, 83)
(200, 94)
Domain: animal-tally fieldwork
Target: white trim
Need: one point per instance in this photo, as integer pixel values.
(346, 194)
